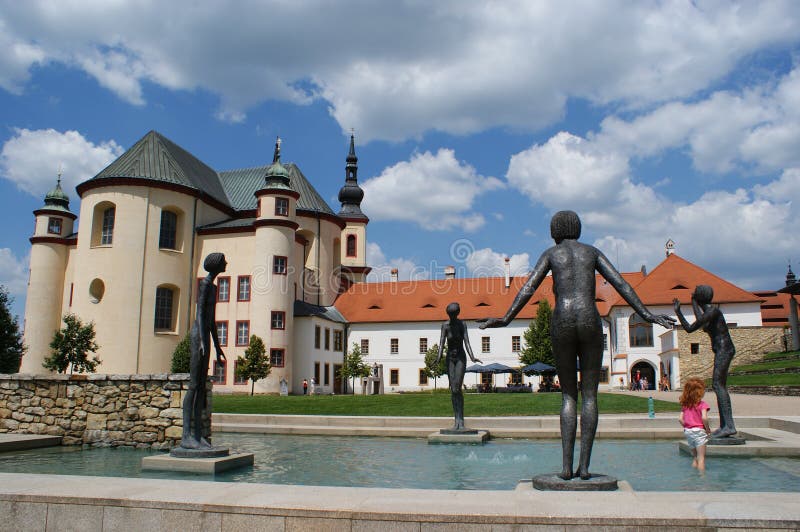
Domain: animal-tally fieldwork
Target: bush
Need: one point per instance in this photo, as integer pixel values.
(181, 357)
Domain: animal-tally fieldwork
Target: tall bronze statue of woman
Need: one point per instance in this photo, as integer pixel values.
(575, 328)
(712, 321)
(454, 332)
(203, 332)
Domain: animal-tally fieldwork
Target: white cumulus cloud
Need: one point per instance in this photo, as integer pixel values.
(435, 191)
(407, 269)
(489, 263)
(31, 159)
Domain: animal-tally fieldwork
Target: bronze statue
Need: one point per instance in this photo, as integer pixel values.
(454, 332)
(712, 321)
(203, 331)
(575, 328)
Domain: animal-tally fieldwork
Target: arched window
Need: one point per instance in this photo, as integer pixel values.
(640, 332)
(166, 306)
(167, 237)
(351, 245)
(103, 224)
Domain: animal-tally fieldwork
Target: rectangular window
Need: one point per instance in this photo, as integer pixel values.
(732, 325)
(236, 378)
(338, 340)
(423, 377)
(281, 207)
(222, 332)
(279, 265)
(423, 346)
(327, 339)
(394, 346)
(486, 344)
(317, 335)
(242, 333)
(365, 346)
(516, 344)
(278, 320)
(316, 373)
(604, 375)
(107, 233)
(71, 290)
(223, 289)
(515, 379)
(220, 375)
(243, 290)
(605, 342)
(394, 377)
(327, 376)
(163, 316)
(695, 348)
(277, 358)
(54, 226)
(167, 237)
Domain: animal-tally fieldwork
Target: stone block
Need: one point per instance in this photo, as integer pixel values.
(255, 523)
(5, 413)
(19, 515)
(90, 436)
(96, 422)
(157, 422)
(175, 433)
(160, 402)
(189, 520)
(165, 462)
(120, 519)
(83, 517)
(19, 416)
(130, 413)
(55, 431)
(99, 400)
(34, 410)
(71, 440)
(77, 425)
(9, 424)
(172, 413)
(145, 437)
(318, 524)
(79, 414)
(175, 399)
(146, 412)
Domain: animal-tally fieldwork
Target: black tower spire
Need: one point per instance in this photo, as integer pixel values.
(350, 195)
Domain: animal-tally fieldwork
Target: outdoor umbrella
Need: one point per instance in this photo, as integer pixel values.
(538, 368)
(496, 367)
(477, 368)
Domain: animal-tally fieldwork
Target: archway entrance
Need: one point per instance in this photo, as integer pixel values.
(646, 371)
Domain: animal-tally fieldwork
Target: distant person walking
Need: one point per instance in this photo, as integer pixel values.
(694, 419)
(305, 386)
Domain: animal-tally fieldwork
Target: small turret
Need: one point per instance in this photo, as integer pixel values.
(350, 195)
(669, 247)
(790, 277)
(277, 175)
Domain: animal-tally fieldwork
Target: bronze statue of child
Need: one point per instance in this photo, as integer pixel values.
(454, 332)
(575, 328)
(712, 321)
(203, 331)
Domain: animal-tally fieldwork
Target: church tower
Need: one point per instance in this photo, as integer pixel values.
(354, 235)
(272, 301)
(49, 253)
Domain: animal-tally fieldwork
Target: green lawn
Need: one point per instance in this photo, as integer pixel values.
(780, 379)
(425, 404)
(767, 365)
(780, 354)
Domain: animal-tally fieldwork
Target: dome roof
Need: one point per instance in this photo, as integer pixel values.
(57, 198)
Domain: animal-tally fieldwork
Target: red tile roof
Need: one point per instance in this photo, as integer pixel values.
(676, 277)
(774, 308)
(479, 297)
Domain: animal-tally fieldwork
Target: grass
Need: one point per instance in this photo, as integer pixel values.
(780, 354)
(779, 379)
(425, 404)
(767, 365)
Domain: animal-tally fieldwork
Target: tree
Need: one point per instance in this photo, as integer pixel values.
(11, 346)
(255, 363)
(537, 338)
(354, 365)
(434, 371)
(71, 346)
(181, 357)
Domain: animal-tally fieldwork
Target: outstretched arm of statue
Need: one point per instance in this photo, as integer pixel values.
(526, 292)
(616, 280)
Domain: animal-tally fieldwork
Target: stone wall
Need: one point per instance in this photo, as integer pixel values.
(751, 344)
(99, 410)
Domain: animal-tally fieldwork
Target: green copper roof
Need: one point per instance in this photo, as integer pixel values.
(56, 199)
(242, 184)
(158, 158)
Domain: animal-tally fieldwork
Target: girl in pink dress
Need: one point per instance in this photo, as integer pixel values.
(694, 419)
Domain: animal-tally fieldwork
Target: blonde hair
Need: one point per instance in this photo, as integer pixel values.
(693, 392)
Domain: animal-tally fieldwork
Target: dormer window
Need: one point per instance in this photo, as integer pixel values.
(54, 226)
(281, 207)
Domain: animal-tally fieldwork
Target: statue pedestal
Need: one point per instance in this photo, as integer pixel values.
(552, 482)
(734, 439)
(204, 461)
(459, 436)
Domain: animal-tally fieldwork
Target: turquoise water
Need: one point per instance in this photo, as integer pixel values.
(413, 463)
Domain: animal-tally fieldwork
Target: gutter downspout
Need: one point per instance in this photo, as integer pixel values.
(319, 266)
(141, 282)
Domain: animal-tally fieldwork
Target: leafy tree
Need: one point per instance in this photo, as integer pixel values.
(354, 365)
(181, 357)
(537, 338)
(71, 347)
(432, 370)
(11, 347)
(255, 363)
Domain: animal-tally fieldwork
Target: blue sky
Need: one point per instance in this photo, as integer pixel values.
(474, 121)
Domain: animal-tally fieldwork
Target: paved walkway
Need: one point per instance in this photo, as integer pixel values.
(743, 405)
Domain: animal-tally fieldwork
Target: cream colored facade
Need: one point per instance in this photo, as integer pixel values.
(112, 272)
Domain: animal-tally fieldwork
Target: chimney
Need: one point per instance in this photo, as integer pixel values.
(507, 270)
(394, 275)
(449, 272)
(669, 247)
(644, 270)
